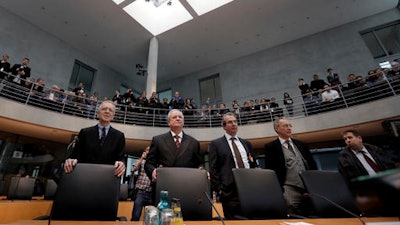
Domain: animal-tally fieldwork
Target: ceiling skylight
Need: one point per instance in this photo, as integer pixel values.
(204, 6)
(159, 19)
(158, 16)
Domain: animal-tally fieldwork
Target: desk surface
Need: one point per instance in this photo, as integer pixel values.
(347, 221)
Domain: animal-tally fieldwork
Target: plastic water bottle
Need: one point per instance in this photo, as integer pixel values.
(164, 203)
(176, 207)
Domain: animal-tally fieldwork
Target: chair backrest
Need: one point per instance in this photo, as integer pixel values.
(89, 192)
(260, 194)
(188, 185)
(326, 187)
(21, 188)
(51, 188)
(123, 192)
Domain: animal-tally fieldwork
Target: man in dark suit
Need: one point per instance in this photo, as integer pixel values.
(355, 160)
(21, 70)
(226, 153)
(288, 157)
(101, 144)
(174, 148)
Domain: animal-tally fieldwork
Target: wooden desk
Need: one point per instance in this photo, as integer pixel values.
(347, 221)
(14, 210)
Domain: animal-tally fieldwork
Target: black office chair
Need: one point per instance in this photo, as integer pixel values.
(190, 186)
(51, 188)
(123, 196)
(260, 194)
(89, 192)
(21, 188)
(329, 194)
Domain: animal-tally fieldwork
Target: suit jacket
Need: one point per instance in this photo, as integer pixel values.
(89, 150)
(275, 159)
(350, 167)
(27, 70)
(221, 165)
(163, 152)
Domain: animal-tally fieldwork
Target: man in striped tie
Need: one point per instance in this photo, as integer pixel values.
(359, 159)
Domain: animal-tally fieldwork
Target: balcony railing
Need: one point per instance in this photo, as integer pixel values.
(65, 102)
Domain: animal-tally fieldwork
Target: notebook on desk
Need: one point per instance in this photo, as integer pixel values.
(21, 188)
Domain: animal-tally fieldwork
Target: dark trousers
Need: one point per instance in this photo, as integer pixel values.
(142, 199)
(231, 208)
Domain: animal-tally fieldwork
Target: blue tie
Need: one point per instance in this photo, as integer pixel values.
(103, 136)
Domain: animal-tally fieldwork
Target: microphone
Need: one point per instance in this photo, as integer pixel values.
(312, 195)
(213, 206)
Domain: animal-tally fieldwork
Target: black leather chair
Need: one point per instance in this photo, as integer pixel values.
(89, 192)
(189, 185)
(123, 196)
(21, 188)
(260, 194)
(329, 194)
(51, 188)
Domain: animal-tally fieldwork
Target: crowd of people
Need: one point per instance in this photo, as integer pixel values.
(287, 156)
(318, 96)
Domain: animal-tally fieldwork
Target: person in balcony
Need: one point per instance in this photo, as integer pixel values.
(5, 66)
(329, 94)
(23, 70)
(333, 78)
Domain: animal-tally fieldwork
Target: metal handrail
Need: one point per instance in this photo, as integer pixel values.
(67, 103)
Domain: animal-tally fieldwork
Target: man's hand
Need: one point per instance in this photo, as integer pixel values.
(69, 165)
(154, 175)
(119, 168)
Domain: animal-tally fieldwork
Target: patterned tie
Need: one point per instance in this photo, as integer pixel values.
(289, 146)
(238, 157)
(371, 163)
(103, 136)
(178, 144)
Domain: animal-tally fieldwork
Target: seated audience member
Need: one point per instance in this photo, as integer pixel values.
(303, 86)
(317, 84)
(164, 106)
(79, 89)
(177, 101)
(395, 71)
(4, 66)
(311, 103)
(222, 110)
(38, 86)
(188, 107)
(117, 98)
(352, 81)
(154, 102)
(288, 102)
(329, 95)
(53, 95)
(264, 107)
(359, 159)
(23, 69)
(333, 78)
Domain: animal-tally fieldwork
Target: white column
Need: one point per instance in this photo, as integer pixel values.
(151, 84)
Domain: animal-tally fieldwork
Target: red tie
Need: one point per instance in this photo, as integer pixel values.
(177, 141)
(371, 163)
(238, 157)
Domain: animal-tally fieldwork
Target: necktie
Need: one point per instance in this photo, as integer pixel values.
(371, 163)
(177, 141)
(238, 157)
(103, 136)
(289, 146)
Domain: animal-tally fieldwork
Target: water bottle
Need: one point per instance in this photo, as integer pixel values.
(176, 207)
(164, 203)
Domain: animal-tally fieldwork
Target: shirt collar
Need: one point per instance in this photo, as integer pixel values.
(180, 135)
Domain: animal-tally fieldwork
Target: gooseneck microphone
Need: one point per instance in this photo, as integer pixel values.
(215, 209)
(312, 195)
